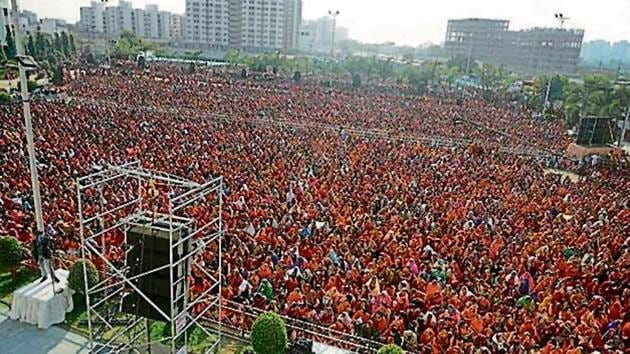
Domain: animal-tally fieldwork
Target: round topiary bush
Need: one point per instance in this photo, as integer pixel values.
(5, 98)
(11, 252)
(247, 350)
(269, 334)
(391, 349)
(75, 277)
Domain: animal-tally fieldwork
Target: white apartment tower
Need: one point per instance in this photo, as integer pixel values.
(112, 21)
(4, 20)
(252, 25)
(152, 21)
(93, 18)
(207, 23)
(177, 27)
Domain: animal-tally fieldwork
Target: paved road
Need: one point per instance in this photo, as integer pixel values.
(21, 338)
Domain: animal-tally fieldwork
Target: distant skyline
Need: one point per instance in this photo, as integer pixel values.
(416, 22)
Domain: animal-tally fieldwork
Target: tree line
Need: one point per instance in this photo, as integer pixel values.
(570, 97)
(48, 50)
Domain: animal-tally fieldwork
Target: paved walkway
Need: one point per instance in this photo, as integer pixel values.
(21, 338)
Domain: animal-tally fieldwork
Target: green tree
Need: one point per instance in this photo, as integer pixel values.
(142, 62)
(297, 76)
(11, 254)
(71, 44)
(65, 44)
(435, 51)
(11, 50)
(57, 45)
(3, 58)
(233, 56)
(269, 334)
(385, 69)
(409, 57)
(41, 46)
(356, 80)
(414, 77)
(57, 76)
(30, 45)
(458, 62)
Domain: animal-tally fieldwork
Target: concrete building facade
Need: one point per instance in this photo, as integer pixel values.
(535, 50)
(316, 36)
(177, 27)
(92, 18)
(5, 20)
(251, 25)
(112, 21)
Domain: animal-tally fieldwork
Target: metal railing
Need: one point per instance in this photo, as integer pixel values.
(240, 318)
(433, 141)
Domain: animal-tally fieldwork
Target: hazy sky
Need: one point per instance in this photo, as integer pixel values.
(415, 22)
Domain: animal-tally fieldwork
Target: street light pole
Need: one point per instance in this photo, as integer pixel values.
(334, 15)
(625, 125)
(546, 98)
(26, 105)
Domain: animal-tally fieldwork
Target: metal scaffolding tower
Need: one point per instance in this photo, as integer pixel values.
(116, 198)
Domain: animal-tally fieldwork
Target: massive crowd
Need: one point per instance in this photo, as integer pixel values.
(439, 249)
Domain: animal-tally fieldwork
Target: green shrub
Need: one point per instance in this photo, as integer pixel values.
(30, 84)
(5, 98)
(269, 334)
(391, 349)
(356, 80)
(247, 350)
(297, 76)
(75, 278)
(11, 252)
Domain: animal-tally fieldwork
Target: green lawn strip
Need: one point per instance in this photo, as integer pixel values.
(8, 286)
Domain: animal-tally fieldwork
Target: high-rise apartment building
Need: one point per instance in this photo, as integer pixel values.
(112, 21)
(251, 25)
(535, 50)
(93, 18)
(177, 27)
(317, 35)
(4, 20)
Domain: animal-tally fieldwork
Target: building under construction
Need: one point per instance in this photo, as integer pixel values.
(534, 50)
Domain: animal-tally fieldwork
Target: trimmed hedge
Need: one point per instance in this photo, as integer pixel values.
(75, 277)
(269, 334)
(11, 252)
(391, 349)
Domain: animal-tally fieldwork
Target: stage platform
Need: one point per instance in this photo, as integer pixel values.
(37, 304)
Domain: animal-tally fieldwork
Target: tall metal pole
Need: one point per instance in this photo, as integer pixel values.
(334, 15)
(546, 98)
(27, 119)
(468, 58)
(625, 125)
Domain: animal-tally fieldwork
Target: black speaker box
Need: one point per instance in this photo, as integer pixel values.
(148, 250)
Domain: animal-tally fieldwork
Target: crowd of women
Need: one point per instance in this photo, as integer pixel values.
(455, 249)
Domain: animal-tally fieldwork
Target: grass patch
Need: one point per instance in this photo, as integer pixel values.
(8, 286)
(78, 315)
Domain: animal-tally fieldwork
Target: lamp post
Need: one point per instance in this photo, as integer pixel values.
(25, 62)
(623, 129)
(334, 14)
(546, 103)
(561, 18)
